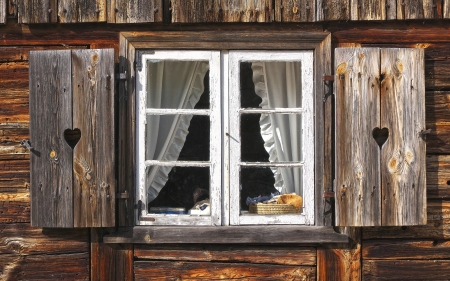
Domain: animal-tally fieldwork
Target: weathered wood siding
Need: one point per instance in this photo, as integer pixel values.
(208, 11)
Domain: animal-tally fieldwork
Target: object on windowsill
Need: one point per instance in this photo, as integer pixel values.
(201, 208)
(291, 199)
(273, 209)
(167, 210)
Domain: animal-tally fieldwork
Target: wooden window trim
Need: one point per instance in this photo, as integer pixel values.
(319, 42)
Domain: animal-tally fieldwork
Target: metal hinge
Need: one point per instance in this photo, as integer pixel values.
(138, 60)
(121, 76)
(123, 195)
(27, 144)
(328, 80)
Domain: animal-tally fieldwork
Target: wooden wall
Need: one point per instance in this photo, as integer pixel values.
(201, 11)
(375, 253)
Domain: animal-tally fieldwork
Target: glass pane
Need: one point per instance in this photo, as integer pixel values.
(263, 185)
(271, 137)
(178, 190)
(178, 84)
(177, 137)
(269, 85)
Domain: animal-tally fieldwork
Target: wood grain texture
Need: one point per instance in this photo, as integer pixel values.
(412, 9)
(12, 8)
(358, 186)
(167, 270)
(94, 158)
(384, 249)
(323, 169)
(295, 11)
(110, 262)
(403, 169)
(373, 9)
(438, 176)
(51, 159)
(127, 130)
(72, 11)
(338, 262)
(134, 11)
(31, 11)
(293, 255)
(406, 270)
(45, 267)
(3, 11)
(268, 234)
(222, 11)
(438, 225)
(446, 9)
(331, 10)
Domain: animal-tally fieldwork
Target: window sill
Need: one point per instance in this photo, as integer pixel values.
(282, 234)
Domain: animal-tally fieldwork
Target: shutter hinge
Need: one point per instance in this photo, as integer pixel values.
(328, 80)
(328, 194)
(123, 195)
(27, 144)
(121, 76)
(423, 134)
(138, 60)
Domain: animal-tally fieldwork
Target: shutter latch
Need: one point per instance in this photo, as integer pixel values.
(328, 80)
(27, 144)
(328, 194)
(423, 134)
(123, 195)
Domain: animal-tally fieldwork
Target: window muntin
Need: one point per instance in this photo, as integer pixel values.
(284, 98)
(231, 114)
(171, 98)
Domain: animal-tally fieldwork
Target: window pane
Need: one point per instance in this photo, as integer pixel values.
(178, 84)
(260, 184)
(269, 85)
(271, 137)
(177, 137)
(178, 190)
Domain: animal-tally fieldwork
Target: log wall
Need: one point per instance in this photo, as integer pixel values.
(375, 253)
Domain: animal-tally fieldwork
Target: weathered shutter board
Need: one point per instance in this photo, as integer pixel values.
(295, 11)
(373, 9)
(402, 161)
(72, 11)
(413, 9)
(78, 184)
(43, 11)
(387, 187)
(357, 98)
(51, 157)
(93, 96)
(328, 10)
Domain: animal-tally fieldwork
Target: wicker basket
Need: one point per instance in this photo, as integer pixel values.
(273, 209)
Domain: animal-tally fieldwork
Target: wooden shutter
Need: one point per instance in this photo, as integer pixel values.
(72, 135)
(380, 152)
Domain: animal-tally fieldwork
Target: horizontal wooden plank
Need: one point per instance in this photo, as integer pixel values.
(438, 140)
(45, 267)
(12, 131)
(14, 212)
(406, 270)
(437, 227)
(227, 235)
(166, 270)
(438, 176)
(20, 53)
(292, 255)
(437, 107)
(22, 239)
(405, 249)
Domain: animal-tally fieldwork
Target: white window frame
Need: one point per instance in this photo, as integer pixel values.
(306, 58)
(224, 115)
(142, 215)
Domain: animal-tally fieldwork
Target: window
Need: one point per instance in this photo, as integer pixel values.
(219, 131)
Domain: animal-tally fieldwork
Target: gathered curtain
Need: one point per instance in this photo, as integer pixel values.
(279, 85)
(170, 84)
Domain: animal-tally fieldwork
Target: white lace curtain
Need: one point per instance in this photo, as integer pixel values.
(279, 85)
(170, 84)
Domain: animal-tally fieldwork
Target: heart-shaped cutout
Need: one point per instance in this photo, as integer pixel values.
(380, 135)
(72, 137)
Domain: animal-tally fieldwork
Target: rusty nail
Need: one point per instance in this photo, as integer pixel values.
(156, 10)
(64, 11)
(49, 11)
(116, 10)
(97, 11)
